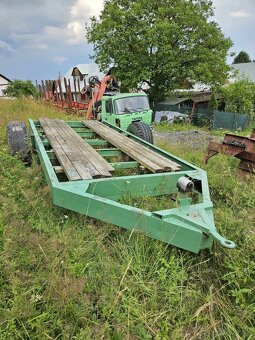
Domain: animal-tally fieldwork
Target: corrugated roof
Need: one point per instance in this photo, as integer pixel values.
(245, 70)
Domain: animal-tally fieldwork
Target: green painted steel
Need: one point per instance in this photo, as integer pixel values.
(125, 165)
(109, 152)
(97, 142)
(103, 152)
(86, 134)
(123, 109)
(187, 221)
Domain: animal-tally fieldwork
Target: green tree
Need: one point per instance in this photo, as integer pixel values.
(239, 97)
(242, 57)
(213, 103)
(20, 88)
(162, 43)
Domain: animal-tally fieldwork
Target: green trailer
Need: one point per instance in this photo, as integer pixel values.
(132, 171)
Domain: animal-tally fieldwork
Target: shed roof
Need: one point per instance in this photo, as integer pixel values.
(204, 97)
(173, 101)
(1, 75)
(195, 96)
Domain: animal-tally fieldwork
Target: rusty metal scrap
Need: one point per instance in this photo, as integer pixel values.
(236, 146)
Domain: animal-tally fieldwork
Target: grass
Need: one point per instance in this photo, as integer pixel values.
(163, 127)
(65, 276)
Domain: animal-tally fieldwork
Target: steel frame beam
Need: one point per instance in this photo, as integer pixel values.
(188, 226)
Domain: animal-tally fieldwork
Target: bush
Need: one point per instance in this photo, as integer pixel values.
(213, 103)
(239, 97)
(20, 88)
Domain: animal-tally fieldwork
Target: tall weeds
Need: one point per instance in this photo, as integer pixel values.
(69, 277)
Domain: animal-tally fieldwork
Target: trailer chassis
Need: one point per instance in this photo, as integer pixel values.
(189, 225)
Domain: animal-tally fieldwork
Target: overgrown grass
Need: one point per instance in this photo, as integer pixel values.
(66, 276)
(164, 127)
(23, 109)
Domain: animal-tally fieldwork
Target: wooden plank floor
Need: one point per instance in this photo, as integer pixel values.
(145, 156)
(78, 159)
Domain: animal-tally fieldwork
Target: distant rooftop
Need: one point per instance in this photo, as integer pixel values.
(86, 70)
(245, 70)
(7, 79)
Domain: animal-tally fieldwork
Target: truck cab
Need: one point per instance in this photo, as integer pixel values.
(129, 111)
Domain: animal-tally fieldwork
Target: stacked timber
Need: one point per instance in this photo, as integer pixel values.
(78, 159)
(150, 159)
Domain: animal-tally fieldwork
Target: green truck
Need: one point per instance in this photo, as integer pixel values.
(128, 111)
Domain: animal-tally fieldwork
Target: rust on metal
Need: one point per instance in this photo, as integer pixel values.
(240, 147)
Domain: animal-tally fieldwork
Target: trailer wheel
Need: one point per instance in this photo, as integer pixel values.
(17, 141)
(141, 130)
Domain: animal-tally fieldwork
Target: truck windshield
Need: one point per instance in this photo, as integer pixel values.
(131, 104)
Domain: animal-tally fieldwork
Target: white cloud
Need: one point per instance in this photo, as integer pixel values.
(240, 14)
(85, 9)
(42, 46)
(77, 31)
(41, 24)
(59, 60)
(81, 11)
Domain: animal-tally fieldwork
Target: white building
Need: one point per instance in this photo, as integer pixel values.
(4, 82)
(243, 70)
(81, 72)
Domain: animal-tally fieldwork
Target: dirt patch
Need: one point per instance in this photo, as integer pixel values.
(194, 139)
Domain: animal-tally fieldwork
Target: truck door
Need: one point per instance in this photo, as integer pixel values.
(108, 115)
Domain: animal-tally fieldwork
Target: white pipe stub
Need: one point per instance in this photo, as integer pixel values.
(185, 184)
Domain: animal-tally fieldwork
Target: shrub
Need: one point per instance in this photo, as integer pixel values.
(239, 97)
(20, 88)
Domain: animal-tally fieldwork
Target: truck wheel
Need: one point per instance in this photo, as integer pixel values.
(17, 141)
(141, 130)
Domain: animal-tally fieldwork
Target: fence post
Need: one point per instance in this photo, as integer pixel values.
(61, 93)
(233, 124)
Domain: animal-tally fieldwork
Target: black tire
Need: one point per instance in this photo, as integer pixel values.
(141, 130)
(17, 141)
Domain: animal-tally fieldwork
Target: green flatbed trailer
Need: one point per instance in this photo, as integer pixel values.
(188, 225)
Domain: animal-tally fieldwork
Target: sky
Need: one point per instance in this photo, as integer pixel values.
(40, 38)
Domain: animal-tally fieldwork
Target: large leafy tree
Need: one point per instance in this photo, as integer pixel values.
(242, 57)
(164, 43)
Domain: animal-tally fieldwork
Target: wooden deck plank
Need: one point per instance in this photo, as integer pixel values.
(132, 148)
(166, 164)
(73, 153)
(82, 165)
(160, 160)
(88, 151)
(96, 169)
(123, 145)
(70, 170)
(54, 136)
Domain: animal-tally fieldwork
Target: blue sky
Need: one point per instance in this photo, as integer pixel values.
(39, 38)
